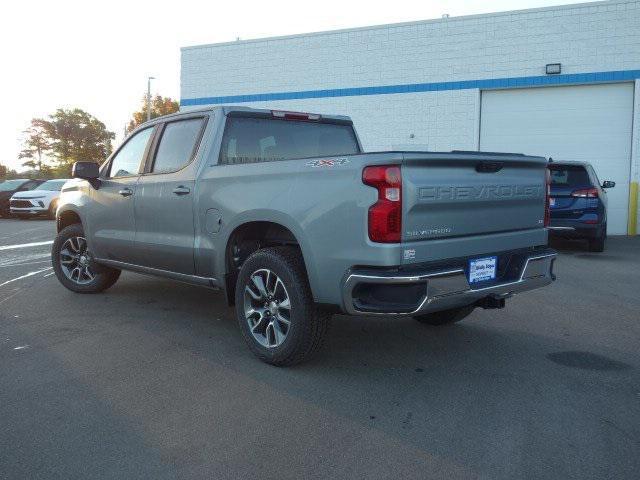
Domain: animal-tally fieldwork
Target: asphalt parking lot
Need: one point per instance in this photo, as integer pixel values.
(152, 380)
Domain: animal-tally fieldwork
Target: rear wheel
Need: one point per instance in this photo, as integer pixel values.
(597, 244)
(445, 317)
(74, 266)
(275, 309)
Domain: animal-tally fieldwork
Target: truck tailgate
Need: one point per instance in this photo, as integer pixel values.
(470, 194)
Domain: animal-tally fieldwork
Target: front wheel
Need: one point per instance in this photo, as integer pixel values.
(445, 317)
(275, 309)
(74, 266)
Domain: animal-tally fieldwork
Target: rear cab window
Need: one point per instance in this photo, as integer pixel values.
(250, 139)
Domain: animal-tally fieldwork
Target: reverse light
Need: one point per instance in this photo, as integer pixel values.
(305, 117)
(585, 193)
(385, 216)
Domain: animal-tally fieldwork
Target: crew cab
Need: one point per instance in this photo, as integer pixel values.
(286, 214)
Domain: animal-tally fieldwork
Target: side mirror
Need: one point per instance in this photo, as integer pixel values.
(608, 184)
(89, 171)
(85, 170)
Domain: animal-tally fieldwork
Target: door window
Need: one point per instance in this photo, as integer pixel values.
(127, 160)
(178, 145)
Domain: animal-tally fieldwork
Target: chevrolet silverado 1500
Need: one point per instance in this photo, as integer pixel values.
(286, 214)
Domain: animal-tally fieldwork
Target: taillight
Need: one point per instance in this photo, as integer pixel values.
(385, 216)
(547, 201)
(585, 193)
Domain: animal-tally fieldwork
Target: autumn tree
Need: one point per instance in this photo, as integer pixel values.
(75, 135)
(36, 145)
(159, 106)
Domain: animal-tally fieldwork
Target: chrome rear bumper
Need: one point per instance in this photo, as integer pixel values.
(446, 289)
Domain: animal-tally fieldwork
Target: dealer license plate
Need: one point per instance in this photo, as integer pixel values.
(481, 269)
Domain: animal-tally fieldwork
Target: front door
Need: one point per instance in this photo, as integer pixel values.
(164, 204)
(111, 217)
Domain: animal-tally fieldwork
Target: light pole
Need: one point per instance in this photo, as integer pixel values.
(149, 97)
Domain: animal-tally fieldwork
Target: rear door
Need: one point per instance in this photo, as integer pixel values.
(164, 205)
(112, 222)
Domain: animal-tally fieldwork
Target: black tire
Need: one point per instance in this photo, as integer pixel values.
(445, 317)
(597, 244)
(104, 277)
(308, 324)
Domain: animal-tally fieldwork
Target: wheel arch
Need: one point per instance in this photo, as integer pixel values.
(67, 216)
(259, 231)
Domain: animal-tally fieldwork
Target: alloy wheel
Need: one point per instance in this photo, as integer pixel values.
(75, 261)
(267, 308)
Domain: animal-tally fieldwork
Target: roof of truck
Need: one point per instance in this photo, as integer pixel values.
(236, 108)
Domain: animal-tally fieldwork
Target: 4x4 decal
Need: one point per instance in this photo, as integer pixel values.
(327, 162)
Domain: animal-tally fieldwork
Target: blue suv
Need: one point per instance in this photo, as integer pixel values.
(578, 203)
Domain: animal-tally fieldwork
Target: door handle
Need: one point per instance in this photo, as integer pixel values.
(181, 190)
(126, 192)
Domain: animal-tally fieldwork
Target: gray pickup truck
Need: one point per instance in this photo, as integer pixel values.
(286, 214)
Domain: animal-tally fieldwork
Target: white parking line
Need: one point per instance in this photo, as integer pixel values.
(22, 264)
(25, 245)
(30, 274)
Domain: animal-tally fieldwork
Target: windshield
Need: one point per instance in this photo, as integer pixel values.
(51, 185)
(569, 176)
(9, 185)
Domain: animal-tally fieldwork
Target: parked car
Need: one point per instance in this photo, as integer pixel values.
(578, 203)
(42, 200)
(285, 213)
(9, 187)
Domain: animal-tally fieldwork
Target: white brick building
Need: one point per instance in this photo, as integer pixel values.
(466, 83)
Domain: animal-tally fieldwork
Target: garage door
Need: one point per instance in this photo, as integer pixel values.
(589, 123)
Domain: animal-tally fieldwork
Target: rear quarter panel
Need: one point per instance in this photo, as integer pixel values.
(324, 205)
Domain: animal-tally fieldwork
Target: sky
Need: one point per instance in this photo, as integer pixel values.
(97, 55)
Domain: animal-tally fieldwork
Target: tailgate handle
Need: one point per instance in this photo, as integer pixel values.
(489, 167)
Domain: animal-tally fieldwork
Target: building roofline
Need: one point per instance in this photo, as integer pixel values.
(412, 23)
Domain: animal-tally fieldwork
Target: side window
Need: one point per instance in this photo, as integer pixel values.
(177, 145)
(127, 160)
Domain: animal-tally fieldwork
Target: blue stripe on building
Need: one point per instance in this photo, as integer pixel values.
(494, 83)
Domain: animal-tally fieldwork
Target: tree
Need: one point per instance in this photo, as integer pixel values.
(75, 135)
(35, 145)
(159, 106)
(3, 171)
